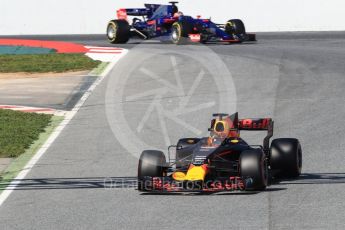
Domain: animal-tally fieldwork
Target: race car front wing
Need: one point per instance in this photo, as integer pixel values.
(167, 184)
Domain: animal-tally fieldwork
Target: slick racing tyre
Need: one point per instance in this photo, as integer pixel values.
(183, 155)
(254, 171)
(180, 32)
(286, 157)
(235, 26)
(151, 164)
(118, 31)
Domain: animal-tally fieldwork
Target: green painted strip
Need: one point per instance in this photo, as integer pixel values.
(25, 50)
(19, 163)
(99, 69)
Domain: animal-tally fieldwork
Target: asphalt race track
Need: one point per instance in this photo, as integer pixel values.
(158, 93)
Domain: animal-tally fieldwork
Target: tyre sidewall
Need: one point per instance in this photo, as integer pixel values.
(253, 165)
(286, 157)
(151, 164)
(235, 26)
(122, 31)
(182, 31)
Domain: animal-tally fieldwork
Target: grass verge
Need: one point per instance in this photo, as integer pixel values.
(18, 164)
(19, 130)
(43, 63)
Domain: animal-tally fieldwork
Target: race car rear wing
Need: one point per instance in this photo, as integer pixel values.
(123, 13)
(148, 11)
(258, 124)
(255, 124)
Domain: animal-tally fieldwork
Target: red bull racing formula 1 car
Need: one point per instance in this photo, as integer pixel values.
(223, 161)
(169, 24)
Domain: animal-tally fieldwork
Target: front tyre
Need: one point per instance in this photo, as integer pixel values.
(235, 26)
(118, 31)
(180, 32)
(151, 164)
(253, 169)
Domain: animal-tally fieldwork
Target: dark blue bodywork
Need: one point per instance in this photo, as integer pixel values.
(156, 21)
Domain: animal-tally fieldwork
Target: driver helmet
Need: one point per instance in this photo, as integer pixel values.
(178, 14)
(223, 128)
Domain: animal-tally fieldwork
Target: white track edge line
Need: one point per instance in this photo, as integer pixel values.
(27, 168)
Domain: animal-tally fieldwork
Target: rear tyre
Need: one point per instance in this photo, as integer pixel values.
(286, 157)
(235, 26)
(180, 32)
(254, 171)
(118, 31)
(151, 164)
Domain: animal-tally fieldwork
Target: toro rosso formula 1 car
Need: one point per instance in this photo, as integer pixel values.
(223, 161)
(171, 25)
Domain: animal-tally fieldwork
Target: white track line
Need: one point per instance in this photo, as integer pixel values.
(11, 187)
(103, 48)
(104, 54)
